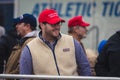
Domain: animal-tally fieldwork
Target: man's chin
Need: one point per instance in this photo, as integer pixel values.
(56, 36)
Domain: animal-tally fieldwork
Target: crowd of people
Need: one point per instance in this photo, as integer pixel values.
(28, 51)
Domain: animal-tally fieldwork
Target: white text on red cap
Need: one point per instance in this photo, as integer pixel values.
(53, 15)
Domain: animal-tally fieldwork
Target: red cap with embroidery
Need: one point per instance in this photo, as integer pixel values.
(50, 16)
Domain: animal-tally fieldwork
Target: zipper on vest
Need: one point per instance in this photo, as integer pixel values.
(56, 63)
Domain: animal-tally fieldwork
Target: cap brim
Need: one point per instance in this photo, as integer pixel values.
(55, 20)
(85, 24)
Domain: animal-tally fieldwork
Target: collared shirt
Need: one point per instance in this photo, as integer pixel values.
(48, 43)
(28, 35)
(81, 59)
(33, 33)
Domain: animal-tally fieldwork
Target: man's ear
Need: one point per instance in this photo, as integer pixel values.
(41, 25)
(28, 26)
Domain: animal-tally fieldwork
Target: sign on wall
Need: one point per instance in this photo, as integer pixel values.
(104, 14)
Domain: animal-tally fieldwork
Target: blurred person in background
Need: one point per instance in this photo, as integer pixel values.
(7, 41)
(77, 28)
(26, 28)
(2, 31)
(108, 60)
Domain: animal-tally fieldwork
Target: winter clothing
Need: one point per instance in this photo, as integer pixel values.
(63, 57)
(78, 58)
(12, 66)
(108, 60)
(7, 42)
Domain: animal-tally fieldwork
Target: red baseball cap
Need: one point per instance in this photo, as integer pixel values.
(50, 16)
(77, 21)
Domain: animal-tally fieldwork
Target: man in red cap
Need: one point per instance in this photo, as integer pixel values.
(77, 28)
(53, 53)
